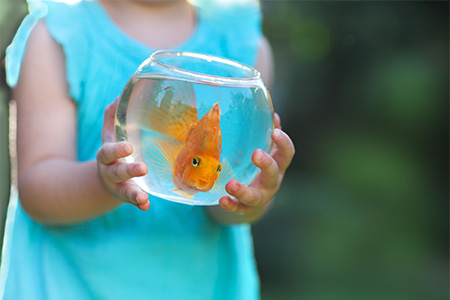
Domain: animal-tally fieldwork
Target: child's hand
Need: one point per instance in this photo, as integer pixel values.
(258, 194)
(115, 173)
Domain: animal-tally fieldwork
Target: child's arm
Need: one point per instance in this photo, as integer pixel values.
(247, 204)
(53, 187)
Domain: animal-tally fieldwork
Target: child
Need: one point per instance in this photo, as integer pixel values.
(71, 236)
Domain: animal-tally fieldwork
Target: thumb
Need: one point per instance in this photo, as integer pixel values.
(108, 122)
(277, 121)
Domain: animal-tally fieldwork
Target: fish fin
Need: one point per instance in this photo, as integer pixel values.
(205, 135)
(226, 175)
(171, 116)
(161, 155)
(183, 193)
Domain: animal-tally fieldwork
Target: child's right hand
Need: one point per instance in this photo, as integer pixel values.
(116, 174)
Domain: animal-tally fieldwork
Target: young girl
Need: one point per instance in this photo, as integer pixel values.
(71, 236)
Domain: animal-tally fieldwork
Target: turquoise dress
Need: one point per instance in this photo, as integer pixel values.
(172, 251)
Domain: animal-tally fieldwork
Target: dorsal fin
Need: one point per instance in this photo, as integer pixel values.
(171, 116)
(206, 136)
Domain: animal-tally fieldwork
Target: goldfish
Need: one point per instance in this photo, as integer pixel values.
(192, 154)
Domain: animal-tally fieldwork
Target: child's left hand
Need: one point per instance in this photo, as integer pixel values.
(247, 199)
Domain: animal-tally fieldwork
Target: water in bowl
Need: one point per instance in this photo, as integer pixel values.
(155, 114)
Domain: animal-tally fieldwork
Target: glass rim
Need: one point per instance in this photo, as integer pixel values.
(254, 74)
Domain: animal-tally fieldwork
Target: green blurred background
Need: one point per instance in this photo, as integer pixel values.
(362, 89)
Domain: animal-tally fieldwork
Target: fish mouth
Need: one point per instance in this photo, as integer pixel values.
(203, 185)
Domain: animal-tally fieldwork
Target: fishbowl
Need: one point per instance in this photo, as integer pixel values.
(194, 120)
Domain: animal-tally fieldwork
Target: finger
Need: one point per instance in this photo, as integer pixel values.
(144, 207)
(234, 205)
(108, 122)
(142, 200)
(131, 193)
(270, 172)
(247, 195)
(120, 172)
(286, 150)
(110, 152)
(277, 120)
(277, 124)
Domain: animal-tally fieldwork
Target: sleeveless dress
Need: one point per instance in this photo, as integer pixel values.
(172, 251)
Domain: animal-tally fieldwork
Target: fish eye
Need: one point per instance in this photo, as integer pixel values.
(196, 161)
(219, 168)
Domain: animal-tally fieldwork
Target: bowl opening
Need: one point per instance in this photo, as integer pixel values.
(203, 66)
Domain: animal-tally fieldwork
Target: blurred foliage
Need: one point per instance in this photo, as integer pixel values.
(11, 14)
(362, 89)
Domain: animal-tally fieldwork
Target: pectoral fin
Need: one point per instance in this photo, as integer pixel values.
(161, 155)
(225, 175)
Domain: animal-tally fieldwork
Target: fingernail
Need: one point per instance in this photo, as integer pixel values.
(126, 148)
(234, 187)
(140, 199)
(259, 156)
(138, 169)
(229, 204)
(276, 133)
(226, 203)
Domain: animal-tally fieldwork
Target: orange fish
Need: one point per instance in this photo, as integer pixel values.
(192, 154)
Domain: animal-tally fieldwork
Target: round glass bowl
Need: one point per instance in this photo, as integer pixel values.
(195, 121)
